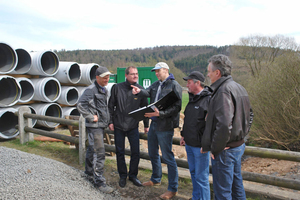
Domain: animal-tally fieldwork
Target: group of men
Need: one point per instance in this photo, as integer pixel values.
(217, 119)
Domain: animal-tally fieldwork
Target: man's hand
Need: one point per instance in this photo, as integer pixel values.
(182, 142)
(111, 127)
(201, 151)
(146, 130)
(153, 114)
(95, 118)
(135, 90)
(212, 155)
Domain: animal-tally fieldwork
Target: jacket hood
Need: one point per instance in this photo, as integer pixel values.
(205, 92)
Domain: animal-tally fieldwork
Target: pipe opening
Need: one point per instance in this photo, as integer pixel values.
(72, 96)
(52, 90)
(53, 111)
(93, 73)
(27, 91)
(8, 58)
(24, 61)
(10, 91)
(49, 62)
(75, 73)
(8, 121)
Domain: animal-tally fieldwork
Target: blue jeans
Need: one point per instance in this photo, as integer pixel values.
(134, 140)
(162, 139)
(199, 169)
(227, 174)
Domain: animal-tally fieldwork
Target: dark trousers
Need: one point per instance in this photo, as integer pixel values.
(95, 155)
(134, 140)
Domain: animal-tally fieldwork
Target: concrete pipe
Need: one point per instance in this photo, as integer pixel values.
(68, 72)
(8, 122)
(44, 63)
(31, 109)
(24, 62)
(108, 87)
(8, 58)
(69, 95)
(27, 89)
(47, 109)
(67, 111)
(80, 90)
(10, 91)
(88, 72)
(46, 89)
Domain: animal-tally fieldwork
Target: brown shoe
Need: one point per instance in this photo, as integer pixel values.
(150, 183)
(167, 195)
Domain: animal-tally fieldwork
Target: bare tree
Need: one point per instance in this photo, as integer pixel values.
(261, 51)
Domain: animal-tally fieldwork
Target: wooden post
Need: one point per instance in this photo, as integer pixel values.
(82, 138)
(24, 136)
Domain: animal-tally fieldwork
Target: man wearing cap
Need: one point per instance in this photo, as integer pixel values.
(162, 128)
(121, 102)
(192, 131)
(92, 105)
(228, 121)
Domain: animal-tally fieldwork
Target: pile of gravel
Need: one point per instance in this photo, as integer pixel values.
(29, 176)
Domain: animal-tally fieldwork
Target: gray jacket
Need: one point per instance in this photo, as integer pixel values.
(92, 102)
(229, 116)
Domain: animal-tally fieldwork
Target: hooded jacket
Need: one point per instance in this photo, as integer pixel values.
(169, 118)
(92, 102)
(194, 118)
(229, 116)
(121, 102)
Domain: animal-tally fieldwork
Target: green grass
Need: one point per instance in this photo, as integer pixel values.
(185, 100)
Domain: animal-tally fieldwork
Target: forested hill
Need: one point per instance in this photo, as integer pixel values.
(184, 58)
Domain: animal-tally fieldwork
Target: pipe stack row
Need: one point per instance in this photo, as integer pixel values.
(40, 81)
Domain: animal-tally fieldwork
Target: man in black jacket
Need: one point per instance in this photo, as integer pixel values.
(228, 122)
(121, 102)
(192, 131)
(162, 128)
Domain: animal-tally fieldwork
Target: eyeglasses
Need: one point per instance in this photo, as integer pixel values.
(132, 74)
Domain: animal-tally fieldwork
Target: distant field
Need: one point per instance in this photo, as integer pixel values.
(185, 100)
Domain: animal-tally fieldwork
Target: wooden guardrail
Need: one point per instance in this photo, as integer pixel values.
(25, 129)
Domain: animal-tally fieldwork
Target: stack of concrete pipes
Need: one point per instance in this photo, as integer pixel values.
(40, 81)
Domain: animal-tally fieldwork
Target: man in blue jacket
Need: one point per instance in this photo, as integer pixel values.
(92, 105)
(121, 102)
(192, 131)
(162, 128)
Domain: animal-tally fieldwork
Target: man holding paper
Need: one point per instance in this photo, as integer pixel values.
(162, 127)
(121, 102)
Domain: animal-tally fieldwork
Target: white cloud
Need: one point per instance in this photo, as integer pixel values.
(127, 24)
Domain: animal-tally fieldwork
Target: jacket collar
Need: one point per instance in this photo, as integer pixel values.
(215, 86)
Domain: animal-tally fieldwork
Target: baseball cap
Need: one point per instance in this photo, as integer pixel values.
(195, 75)
(102, 71)
(160, 65)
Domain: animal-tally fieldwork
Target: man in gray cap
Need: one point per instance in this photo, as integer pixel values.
(92, 105)
(162, 128)
(192, 131)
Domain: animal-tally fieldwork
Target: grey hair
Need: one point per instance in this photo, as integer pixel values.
(201, 83)
(222, 63)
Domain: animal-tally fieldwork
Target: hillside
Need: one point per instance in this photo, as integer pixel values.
(181, 59)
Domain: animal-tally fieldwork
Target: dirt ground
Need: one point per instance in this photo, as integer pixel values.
(266, 166)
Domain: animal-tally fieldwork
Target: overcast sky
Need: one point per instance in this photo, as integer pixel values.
(36, 25)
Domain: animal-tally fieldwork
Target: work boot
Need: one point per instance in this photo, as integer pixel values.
(168, 195)
(150, 183)
(106, 189)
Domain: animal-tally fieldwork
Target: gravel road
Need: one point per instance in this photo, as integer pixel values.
(29, 176)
